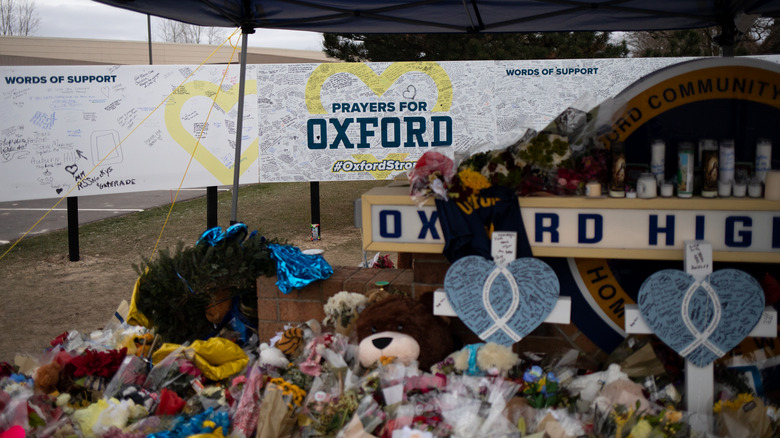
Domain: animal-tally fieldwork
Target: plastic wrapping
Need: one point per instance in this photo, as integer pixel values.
(216, 358)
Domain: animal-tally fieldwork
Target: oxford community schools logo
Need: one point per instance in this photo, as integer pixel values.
(378, 123)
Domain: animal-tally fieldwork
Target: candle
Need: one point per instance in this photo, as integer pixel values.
(772, 186)
(763, 158)
(657, 160)
(617, 182)
(685, 170)
(593, 189)
(740, 189)
(754, 188)
(724, 188)
(646, 186)
(709, 165)
(667, 190)
(726, 162)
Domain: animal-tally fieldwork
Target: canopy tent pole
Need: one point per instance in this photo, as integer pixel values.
(245, 31)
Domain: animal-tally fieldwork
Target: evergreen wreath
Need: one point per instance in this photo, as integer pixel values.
(176, 289)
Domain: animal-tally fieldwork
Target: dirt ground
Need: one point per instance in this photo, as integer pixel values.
(41, 300)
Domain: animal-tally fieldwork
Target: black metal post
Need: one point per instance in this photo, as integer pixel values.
(73, 228)
(245, 31)
(149, 35)
(314, 189)
(211, 207)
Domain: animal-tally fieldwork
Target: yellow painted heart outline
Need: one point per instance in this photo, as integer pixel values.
(225, 100)
(379, 84)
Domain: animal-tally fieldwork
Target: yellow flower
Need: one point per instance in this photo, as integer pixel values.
(673, 416)
(473, 180)
(744, 398)
(386, 360)
(734, 405)
(641, 430)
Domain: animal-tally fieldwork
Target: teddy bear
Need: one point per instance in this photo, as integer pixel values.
(481, 359)
(403, 328)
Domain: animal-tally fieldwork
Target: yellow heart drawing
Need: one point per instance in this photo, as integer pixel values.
(379, 84)
(225, 100)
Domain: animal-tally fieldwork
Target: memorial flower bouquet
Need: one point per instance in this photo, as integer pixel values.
(559, 160)
(544, 163)
(431, 176)
(633, 422)
(542, 389)
(342, 309)
(96, 363)
(746, 415)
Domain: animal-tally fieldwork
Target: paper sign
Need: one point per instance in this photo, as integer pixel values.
(503, 247)
(701, 319)
(501, 304)
(698, 258)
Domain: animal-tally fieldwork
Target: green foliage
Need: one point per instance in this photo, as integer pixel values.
(175, 289)
(452, 47)
(687, 42)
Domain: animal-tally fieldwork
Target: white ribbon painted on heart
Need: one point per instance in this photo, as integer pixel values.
(500, 322)
(701, 338)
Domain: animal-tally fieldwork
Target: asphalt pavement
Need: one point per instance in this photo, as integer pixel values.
(17, 217)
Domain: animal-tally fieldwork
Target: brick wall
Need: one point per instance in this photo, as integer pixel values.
(417, 274)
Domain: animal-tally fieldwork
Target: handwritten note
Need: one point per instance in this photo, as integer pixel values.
(503, 247)
(64, 133)
(501, 304)
(701, 320)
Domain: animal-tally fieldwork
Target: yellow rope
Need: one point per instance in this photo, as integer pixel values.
(197, 143)
(228, 39)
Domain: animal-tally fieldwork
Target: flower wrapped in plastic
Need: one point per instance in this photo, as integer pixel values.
(368, 419)
(623, 421)
(244, 413)
(174, 372)
(746, 416)
(329, 405)
(278, 409)
(96, 363)
(542, 389)
(475, 406)
(131, 372)
(431, 177)
(329, 351)
(342, 309)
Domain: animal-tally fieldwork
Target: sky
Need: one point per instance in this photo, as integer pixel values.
(92, 20)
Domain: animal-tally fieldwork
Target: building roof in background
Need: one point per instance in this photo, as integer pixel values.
(18, 51)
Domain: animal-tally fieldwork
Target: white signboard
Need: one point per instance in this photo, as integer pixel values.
(619, 229)
(76, 131)
(333, 122)
(106, 129)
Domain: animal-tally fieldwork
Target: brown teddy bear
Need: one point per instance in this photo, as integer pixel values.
(405, 329)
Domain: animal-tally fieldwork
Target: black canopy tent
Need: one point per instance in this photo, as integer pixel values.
(453, 16)
(450, 16)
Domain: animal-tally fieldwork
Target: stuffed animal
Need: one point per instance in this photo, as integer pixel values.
(484, 359)
(403, 328)
(47, 376)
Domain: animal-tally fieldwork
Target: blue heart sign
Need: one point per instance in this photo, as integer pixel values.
(501, 304)
(701, 320)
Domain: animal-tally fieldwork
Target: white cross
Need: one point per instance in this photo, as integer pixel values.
(699, 386)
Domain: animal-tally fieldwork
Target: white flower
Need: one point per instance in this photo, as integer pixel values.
(342, 303)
